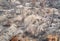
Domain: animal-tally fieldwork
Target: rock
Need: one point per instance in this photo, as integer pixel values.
(18, 18)
(28, 4)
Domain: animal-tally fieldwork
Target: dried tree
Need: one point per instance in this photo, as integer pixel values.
(42, 3)
(33, 3)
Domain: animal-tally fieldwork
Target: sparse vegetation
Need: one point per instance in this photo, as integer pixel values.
(29, 20)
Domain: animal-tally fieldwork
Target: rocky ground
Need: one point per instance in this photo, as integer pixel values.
(29, 20)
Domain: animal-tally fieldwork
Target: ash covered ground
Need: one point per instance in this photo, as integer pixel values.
(29, 20)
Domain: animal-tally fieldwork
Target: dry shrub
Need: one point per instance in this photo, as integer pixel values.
(52, 38)
(22, 38)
